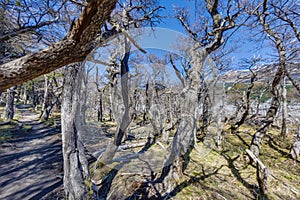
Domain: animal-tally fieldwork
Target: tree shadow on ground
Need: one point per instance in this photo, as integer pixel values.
(192, 180)
(236, 133)
(153, 185)
(108, 179)
(251, 187)
(30, 161)
(272, 143)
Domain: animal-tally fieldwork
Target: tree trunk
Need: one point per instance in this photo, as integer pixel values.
(76, 171)
(19, 90)
(100, 108)
(246, 103)
(183, 140)
(205, 106)
(284, 109)
(9, 108)
(271, 114)
(100, 104)
(46, 92)
(124, 121)
(33, 95)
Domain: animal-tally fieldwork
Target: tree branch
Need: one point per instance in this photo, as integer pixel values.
(74, 48)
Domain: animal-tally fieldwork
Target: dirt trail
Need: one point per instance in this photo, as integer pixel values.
(31, 161)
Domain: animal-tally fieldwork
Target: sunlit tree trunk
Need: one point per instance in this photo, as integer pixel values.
(183, 140)
(76, 171)
(122, 115)
(275, 103)
(284, 109)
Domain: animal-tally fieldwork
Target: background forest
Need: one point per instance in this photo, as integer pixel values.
(150, 99)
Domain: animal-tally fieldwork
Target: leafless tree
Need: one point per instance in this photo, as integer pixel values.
(77, 183)
(74, 47)
(9, 108)
(213, 38)
(263, 19)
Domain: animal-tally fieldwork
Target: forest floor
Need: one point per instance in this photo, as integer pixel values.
(31, 163)
(31, 156)
(212, 173)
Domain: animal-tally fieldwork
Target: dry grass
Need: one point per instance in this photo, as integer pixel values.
(213, 173)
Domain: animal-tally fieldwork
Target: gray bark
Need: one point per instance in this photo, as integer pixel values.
(76, 171)
(284, 109)
(271, 114)
(9, 108)
(183, 140)
(220, 117)
(122, 115)
(100, 104)
(246, 103)
(74, 48)
(46, 92)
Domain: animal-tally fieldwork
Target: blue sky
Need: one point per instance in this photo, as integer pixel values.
(168, 31)
(244, 47)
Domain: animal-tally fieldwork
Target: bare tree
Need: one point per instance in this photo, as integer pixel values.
(183, 140)
(122, 117)
(262, 17)
(9, 108)
(246, 101)
(77, 183)
(73, 48)
(284, 108)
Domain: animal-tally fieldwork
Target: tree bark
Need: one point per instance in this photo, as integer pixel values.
(271, 114)
(9, 108)
(124, 121)
(284, 109)
(46, 91)
(183, 140)
(76, 171)
(74, 48)
(246, 103)
(100, 104)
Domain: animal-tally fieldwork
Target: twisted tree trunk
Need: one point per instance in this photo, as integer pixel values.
(122, 115)
(77, 183)
(271, 114)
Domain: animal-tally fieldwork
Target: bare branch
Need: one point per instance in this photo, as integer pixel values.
(74, 48)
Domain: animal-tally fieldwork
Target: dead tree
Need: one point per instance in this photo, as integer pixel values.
(9, 108)
(284, 108)
(246, 102)
(183, 140)
(262, 173)
(77, 183)
(123, 117)
(100, 101)
(275, 103)
(73, 48)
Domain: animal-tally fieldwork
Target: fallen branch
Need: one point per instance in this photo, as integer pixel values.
(263, 176)
(255, 159)
(123, 147)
